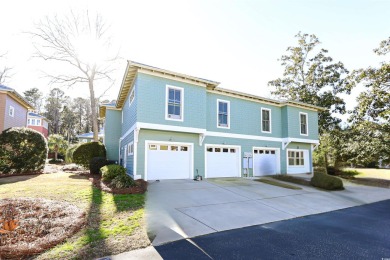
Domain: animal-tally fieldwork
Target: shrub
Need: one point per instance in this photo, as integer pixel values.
(109, 172)
(327, 182)
(96, 163)
(22, 150)
(69, 153)
(85, 152)
(122, 181)
(349, 173)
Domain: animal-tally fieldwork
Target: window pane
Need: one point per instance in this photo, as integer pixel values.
(290, 161)
(296, 161)
(266, 152)
(174, 148)
(272, 152)
(152, 147)
(261, 151)
(170, 109)
(164, 147)
(176, 110)
(302, 162)
(225, 150)
(232, 150)
(256, 151)
(290, 154)
(210, 149)
(177, 96)
(171, 94)
(184, 149)
(265, 115)
(217, 150)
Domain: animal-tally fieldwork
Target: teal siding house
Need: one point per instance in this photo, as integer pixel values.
(167, 125)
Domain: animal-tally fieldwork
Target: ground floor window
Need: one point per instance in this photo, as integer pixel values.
(295, 158)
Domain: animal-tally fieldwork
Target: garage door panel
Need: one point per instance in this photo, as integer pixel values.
(265, 162)
(166, 161)
(222, 162)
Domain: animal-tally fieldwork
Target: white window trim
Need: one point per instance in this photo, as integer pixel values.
(11, 111)
(270, 120)
(131, 101)
(296, 150)
(307, 123)
(181, 119)
(130, 148)
(228, 110)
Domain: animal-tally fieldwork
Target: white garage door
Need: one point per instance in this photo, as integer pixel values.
(265, 161)
(297, 161)
(222, 161)
(168, 161)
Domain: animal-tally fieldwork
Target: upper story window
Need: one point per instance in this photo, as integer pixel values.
(11, 111)
(266, 120)
(132, 96)
(174, 103)
(303, 123)
(223, 108)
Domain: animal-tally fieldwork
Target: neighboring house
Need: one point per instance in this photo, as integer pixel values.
(88, 137)
(13, 108)
(38, 123)
(167, 125)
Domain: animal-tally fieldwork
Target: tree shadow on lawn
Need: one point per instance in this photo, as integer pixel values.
(17, 178)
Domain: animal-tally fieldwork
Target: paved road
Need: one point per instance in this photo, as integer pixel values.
(361, 232)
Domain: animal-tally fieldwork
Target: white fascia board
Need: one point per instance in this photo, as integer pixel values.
(171, 128)
(301, 140)
(241, 136)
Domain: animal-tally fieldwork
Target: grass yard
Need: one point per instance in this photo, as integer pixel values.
(372, 173)
(115, 223)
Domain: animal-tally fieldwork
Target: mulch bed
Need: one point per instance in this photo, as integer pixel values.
(98, 183)
(41, 225)
(381, 183)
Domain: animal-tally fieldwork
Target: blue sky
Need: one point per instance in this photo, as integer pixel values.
(237, 43)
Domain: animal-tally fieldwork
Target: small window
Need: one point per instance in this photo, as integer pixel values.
(163, 147)
(266, 120)
(261, 151)
(272, 152)
(28, 121)
(225, 150)
(174, 148)
(11, 111)
(223, 113)
(32, 121)
(217, 150)
(295, 158)
(174, 103)
(210, 149)
(303, 123)
(152, 147)
(232, 150)
(130, 148)
(256, 151)
(131, 98)
(266, 151)
(184, 148)
(38, 121)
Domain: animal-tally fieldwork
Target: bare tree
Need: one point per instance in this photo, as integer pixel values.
(81, 43)
(4, 72)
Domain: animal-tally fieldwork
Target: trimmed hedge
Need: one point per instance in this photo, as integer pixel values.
(22, 150)
(327, 182)
(85, 152)
(96, 163)
(123, 181)
(109, 172)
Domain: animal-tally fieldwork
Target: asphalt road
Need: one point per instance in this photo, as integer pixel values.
(361, 232)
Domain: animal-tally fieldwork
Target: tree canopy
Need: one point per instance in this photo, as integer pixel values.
(311, 76)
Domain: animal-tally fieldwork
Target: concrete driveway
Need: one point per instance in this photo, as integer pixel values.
(178, 209)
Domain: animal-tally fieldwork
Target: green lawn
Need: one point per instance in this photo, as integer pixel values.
(115, 223)
(372, 173)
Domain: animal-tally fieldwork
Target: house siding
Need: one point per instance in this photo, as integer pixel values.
(3, 97)
(293, 124)
(152, 92)
(112, 133)
(20, 114)
(129, 159)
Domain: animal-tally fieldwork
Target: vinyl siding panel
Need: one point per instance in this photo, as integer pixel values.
(112, 133)
(245, 116)
(3, 97)
(125, 157)
(152, 107)
(294, 123)
(20, 114)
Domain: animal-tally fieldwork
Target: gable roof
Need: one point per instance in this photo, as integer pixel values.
(15, 95)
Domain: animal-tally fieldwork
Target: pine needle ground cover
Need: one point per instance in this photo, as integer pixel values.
(112, 223)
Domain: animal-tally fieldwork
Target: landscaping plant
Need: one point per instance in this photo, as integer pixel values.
(96, 163)
(85, 152)
(22, 150)
(325, 181)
